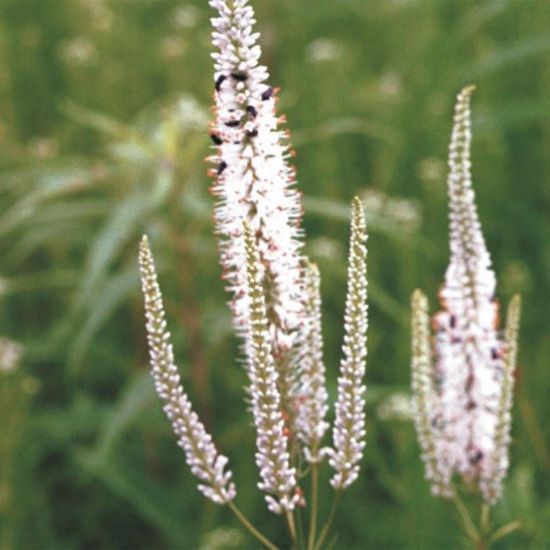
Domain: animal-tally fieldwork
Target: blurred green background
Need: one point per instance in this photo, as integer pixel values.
(104, 107)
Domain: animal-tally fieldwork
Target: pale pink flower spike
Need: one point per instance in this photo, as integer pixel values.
(464, 400)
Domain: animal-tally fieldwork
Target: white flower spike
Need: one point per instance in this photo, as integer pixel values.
(254, 182)
(200, 452)
(278, 479)
(311, 395)
(349, 423)
(464, 398)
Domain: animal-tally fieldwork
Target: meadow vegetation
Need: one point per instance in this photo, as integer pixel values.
(104, 116)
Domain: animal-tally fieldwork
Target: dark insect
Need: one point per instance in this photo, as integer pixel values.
(232, 123)
(452, 321)
(267, 94)
(476, 459)
(221, 167)
(239, 76)
(216, 139)
(219, 82)
(252, 133)
(252, 111)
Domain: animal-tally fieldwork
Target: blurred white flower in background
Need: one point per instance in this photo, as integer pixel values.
(78, 50)
(323, 49)
(185, 17)
(172, 46)
(10, 354)
(101, 17)
(405, 212)
(390, 84)
(43, 147)
(397, 406)
(325, 247)
(431, 169)
(191, 113)
(223, 537)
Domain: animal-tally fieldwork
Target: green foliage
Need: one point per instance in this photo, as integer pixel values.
(103, 134)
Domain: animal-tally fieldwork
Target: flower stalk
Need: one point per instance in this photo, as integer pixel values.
(278, 478)
(349, 424)
(201, 454)
(463, 390)
(253, 181)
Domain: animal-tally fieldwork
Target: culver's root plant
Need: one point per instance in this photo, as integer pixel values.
(463, 382)
(463, 377)
(276, 306)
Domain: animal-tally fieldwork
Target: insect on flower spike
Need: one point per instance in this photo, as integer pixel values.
(200, 452)
(349, 423)
(254, 182)
(466, 336)
(278, 479)
(469, 411)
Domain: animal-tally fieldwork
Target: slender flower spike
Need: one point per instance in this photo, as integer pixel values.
(278, 479)
(349, 424)
(469, 399)
(201, 454)
(491, 485)
(254, 182)
(312, 395)
(425, 397)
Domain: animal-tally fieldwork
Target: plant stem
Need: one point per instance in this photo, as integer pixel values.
(314, 498)
(504, 530)
(467, 523)
(292, 528)
(328, 523)
(485, 520)
(250, 528)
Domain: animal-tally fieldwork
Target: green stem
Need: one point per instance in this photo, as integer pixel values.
(249, 527)
(467, 523)
(330, 519)
(485, 520)
(504, 530)
(292, 528)
(314, 498)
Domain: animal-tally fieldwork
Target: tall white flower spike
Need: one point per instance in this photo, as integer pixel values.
(311, 395)
(200, 452)
(254, 182)
(349, 423)
(278, 479)
(464, 398)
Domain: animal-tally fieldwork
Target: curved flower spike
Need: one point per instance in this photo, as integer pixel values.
(349, 423)
(200, 452)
